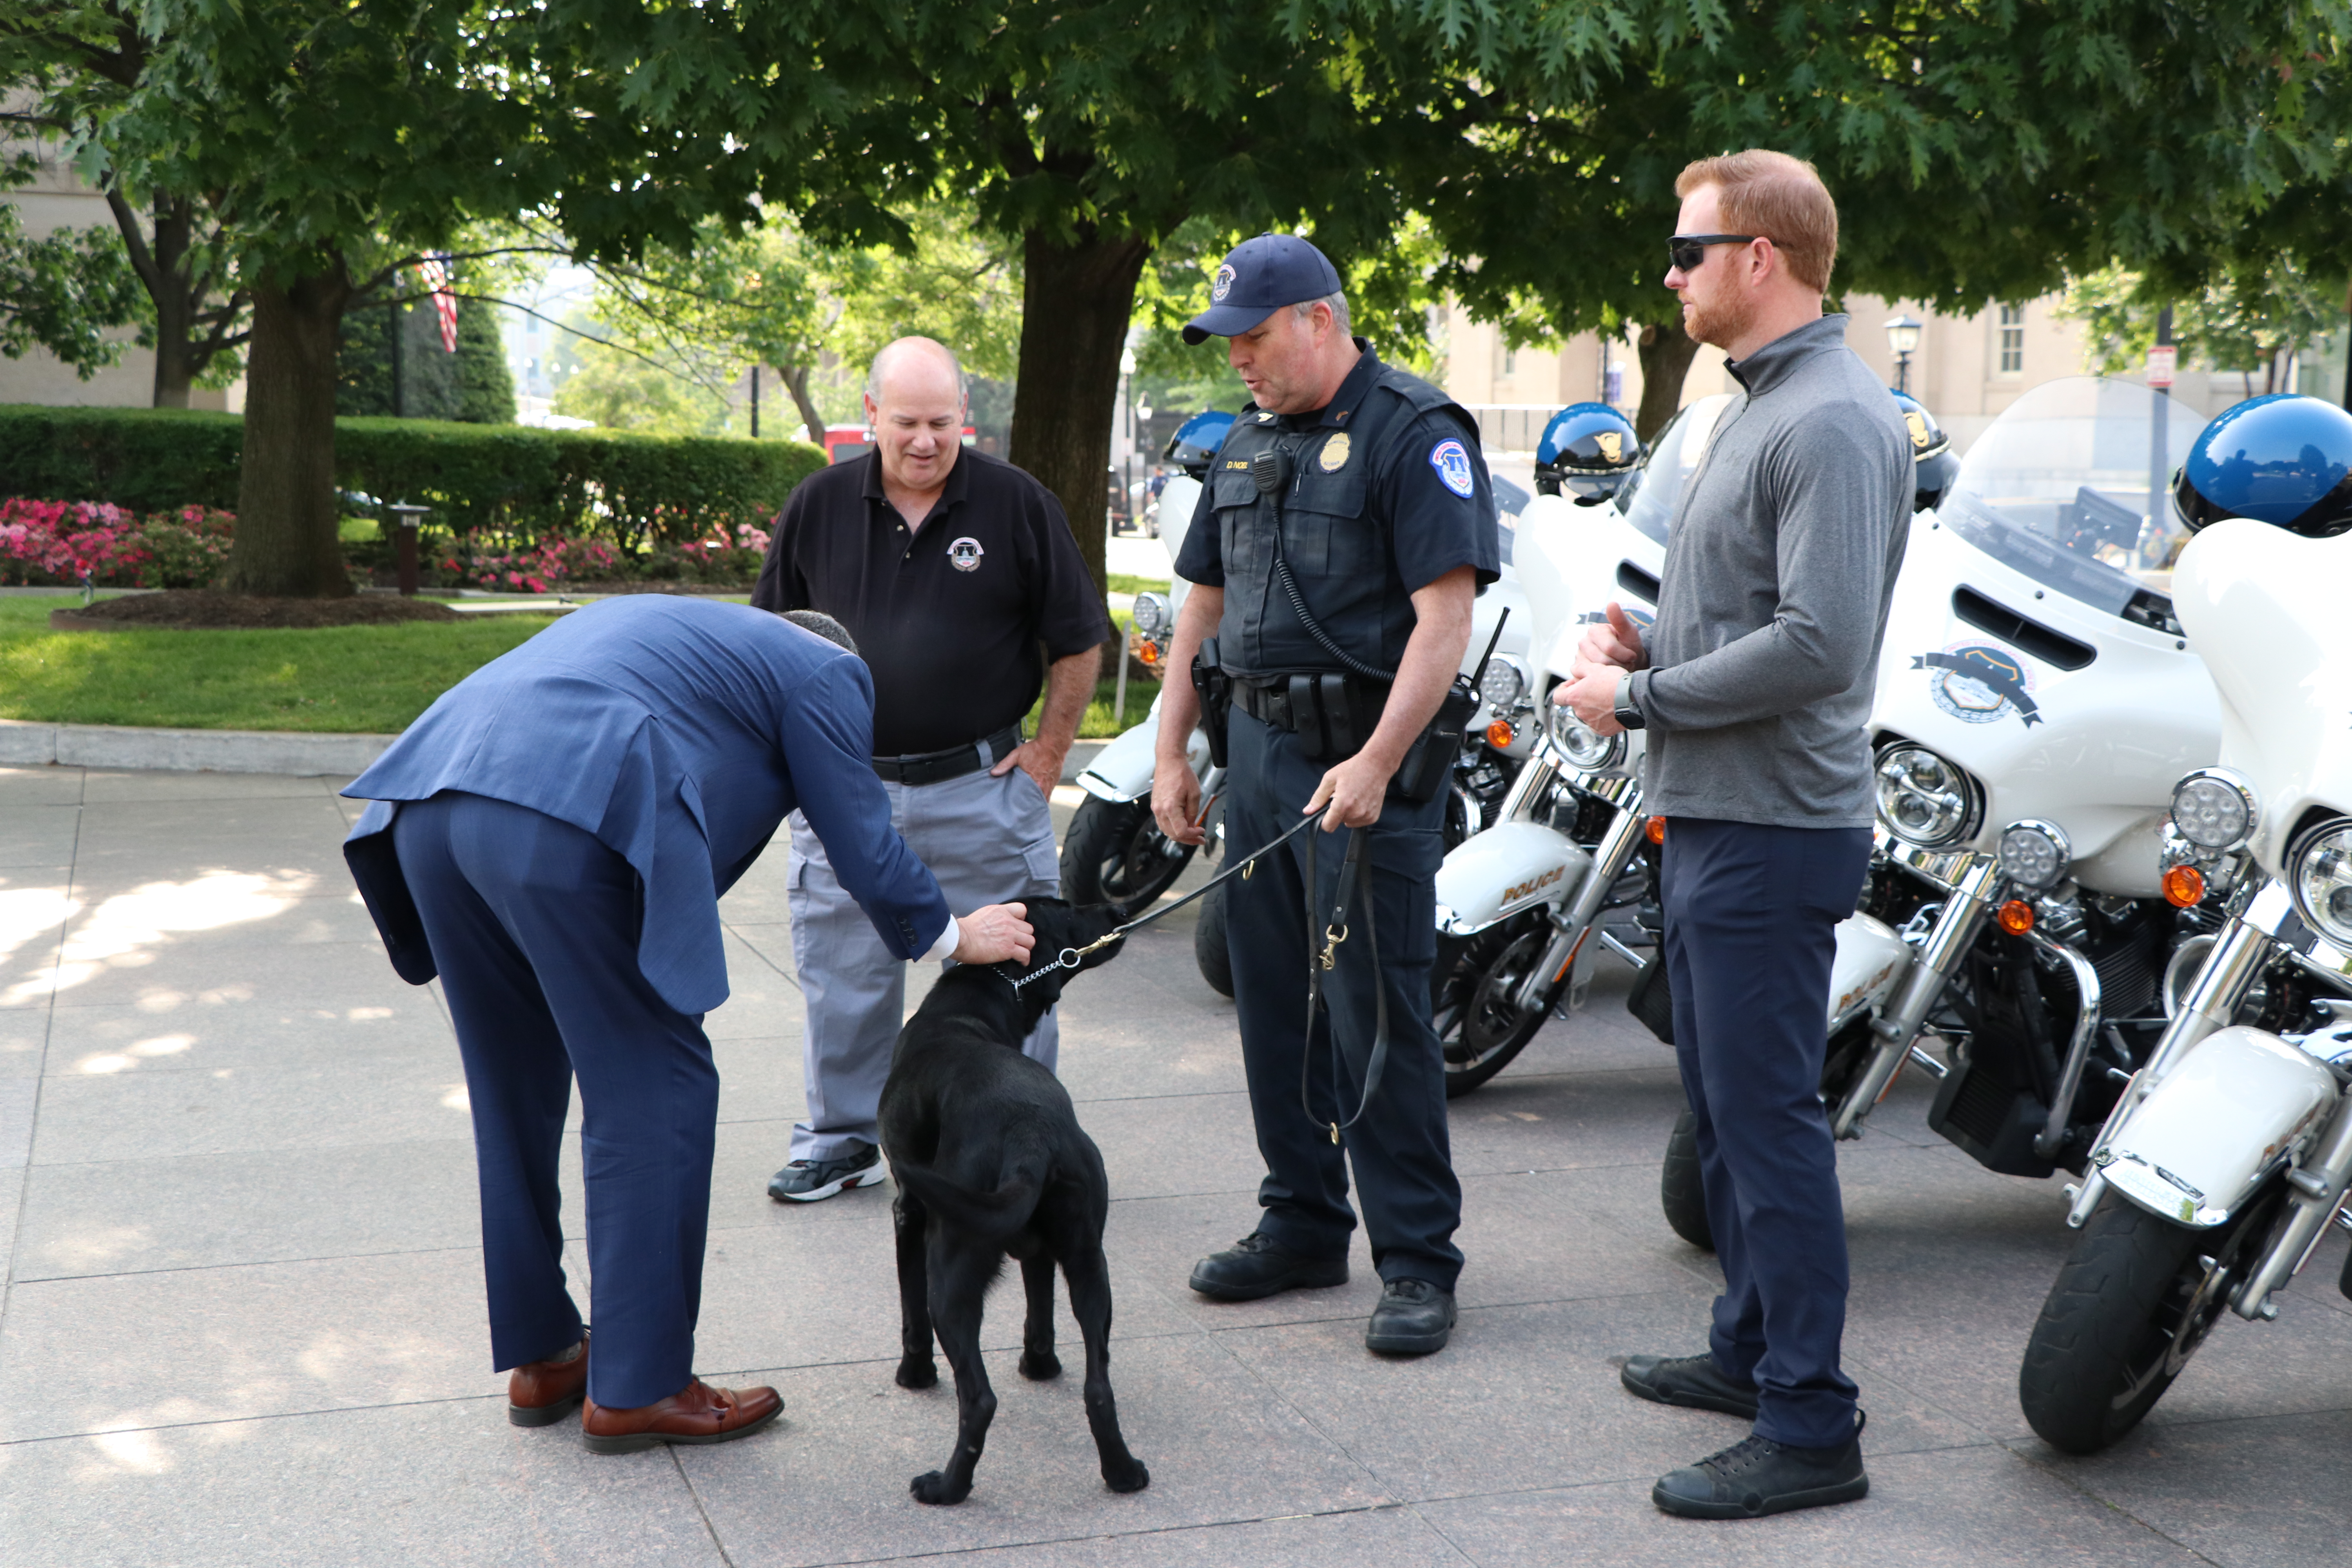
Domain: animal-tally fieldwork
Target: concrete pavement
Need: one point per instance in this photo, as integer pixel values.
(243, 1318)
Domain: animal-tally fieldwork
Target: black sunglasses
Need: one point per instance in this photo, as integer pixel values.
(1689, 251)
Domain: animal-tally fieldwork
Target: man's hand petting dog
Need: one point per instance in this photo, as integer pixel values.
(992, 934)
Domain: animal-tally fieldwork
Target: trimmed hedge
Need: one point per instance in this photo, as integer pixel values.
(513, 480)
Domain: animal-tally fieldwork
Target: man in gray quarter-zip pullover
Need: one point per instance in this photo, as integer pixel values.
(1754, 687)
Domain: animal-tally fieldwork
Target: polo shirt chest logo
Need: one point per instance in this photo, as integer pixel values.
(964, 554)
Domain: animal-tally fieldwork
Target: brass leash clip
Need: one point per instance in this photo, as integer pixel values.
(1332, 937)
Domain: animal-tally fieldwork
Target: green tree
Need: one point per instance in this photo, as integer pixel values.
(68, 66)
(471, 386)
(68, 292)
(1979, 151)
(2246, 316)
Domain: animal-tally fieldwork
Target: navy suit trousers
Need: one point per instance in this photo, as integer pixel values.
(533, 924)
(1404, 1172)
(1752, 915)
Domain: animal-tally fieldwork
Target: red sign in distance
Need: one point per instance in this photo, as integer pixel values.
(2161, 361)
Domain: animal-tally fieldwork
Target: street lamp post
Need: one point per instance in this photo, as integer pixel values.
(1903, 337)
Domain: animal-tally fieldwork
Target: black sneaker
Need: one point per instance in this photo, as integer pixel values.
(1258, 1265)
(1692, 1380)
(1757, 1476)
(1415, 1318)
(806, 1180)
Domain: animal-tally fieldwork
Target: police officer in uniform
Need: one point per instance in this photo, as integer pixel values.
(1335, 577)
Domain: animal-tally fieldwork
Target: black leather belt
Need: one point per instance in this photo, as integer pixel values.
(1270, 700)
(938, 767)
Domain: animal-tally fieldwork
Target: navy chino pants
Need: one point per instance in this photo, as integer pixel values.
(1400, 1151)
(1751, 914)
(533, 924)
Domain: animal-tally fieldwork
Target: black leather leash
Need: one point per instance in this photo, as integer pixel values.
(1069, 956)
(1335, 931)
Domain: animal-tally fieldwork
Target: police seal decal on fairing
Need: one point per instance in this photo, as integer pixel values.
(1612, 444)
(1335, 454)
(1452, 466)
(1224, 285)
(1977, 683)
(965, 553)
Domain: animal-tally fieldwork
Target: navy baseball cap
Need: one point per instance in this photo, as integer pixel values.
(1258, 277)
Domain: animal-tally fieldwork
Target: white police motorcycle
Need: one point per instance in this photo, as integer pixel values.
(1114, 851)
(2036, 701)
(2231, 1146)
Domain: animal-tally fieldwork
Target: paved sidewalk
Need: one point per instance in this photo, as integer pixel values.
(243, 1320)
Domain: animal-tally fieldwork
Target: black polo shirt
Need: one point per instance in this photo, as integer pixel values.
(948, 617)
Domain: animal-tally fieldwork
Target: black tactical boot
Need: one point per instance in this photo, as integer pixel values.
(1258, 1265)
(1693, 1380)
(1757, 1476)
(1415, 1318)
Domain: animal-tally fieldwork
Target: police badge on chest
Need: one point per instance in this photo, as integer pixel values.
(964, 554)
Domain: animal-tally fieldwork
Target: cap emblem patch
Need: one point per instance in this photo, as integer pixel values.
(965, 553)
(1223, 286)
(1452, 465)
(1334, 456)
(1612, 444)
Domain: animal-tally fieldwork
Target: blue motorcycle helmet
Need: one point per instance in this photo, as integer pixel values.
(1587, 449)
(1933, 459)
(2284, 459)
(1197, 440)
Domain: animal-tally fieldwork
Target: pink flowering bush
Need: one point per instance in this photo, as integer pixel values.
(539, 567)
(726, 555)
(56, 543)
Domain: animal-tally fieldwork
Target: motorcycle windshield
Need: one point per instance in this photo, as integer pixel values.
(2060, 486)
(1657, 487)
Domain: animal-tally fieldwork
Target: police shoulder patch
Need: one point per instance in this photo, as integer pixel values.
(1452, 462)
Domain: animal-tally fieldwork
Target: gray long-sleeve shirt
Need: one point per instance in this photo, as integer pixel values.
(1780, 560)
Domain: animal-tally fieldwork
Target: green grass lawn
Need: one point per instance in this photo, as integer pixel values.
(369, 679)
(365, 680)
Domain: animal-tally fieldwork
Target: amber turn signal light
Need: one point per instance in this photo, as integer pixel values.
(1147, 653)
(1655, 829)
(2184, 886)
(1499, 735)
(2016, 917)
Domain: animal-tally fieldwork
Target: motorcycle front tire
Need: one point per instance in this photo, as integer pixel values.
(1209, 948)
(1680, 1192)
(2128, 1310)
(1460, 981)
(1114, 854)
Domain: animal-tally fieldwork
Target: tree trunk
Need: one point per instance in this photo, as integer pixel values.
(1075, 303)
(175, 305)
(286, 543)
(1666, 355)
(795, 380)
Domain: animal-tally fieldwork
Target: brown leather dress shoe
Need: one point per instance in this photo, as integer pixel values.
(696, 1414)
(542, 1393)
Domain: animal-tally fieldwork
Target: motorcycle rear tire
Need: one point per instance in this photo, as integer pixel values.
(2128, 1310)
(1209, 950)
(1115, 854)
(1680, 1192)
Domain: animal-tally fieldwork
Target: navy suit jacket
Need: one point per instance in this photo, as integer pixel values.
(678, 732)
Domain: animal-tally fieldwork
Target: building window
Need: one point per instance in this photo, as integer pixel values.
(1510, 361)
(2012, 340)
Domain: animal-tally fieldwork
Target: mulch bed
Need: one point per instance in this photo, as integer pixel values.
(188, 609)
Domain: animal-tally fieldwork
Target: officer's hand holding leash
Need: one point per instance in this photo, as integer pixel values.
(1175, 790)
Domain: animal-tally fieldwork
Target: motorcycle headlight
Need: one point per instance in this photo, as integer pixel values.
(1504, 683)
(1579, 743)
(1922, 799)
(2213, 808)
(2035, 853)
(1153, 616)
(2319, 870)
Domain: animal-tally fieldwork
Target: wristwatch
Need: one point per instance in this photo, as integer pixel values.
(1627, 716)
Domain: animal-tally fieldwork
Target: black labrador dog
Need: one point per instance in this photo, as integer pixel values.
(990, 1162)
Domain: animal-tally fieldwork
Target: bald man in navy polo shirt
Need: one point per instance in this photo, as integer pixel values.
(952, 569)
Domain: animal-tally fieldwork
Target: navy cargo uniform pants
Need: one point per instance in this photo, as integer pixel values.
(1404, 1174)
(1751, 916)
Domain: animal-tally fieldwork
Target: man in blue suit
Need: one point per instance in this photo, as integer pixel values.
(552, 838)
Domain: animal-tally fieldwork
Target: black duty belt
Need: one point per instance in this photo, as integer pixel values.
(938, 767)
(1275, 700)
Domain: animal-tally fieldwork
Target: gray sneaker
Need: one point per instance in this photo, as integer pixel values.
(806, 1180)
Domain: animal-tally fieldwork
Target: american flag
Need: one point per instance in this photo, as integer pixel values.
(434, 273)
